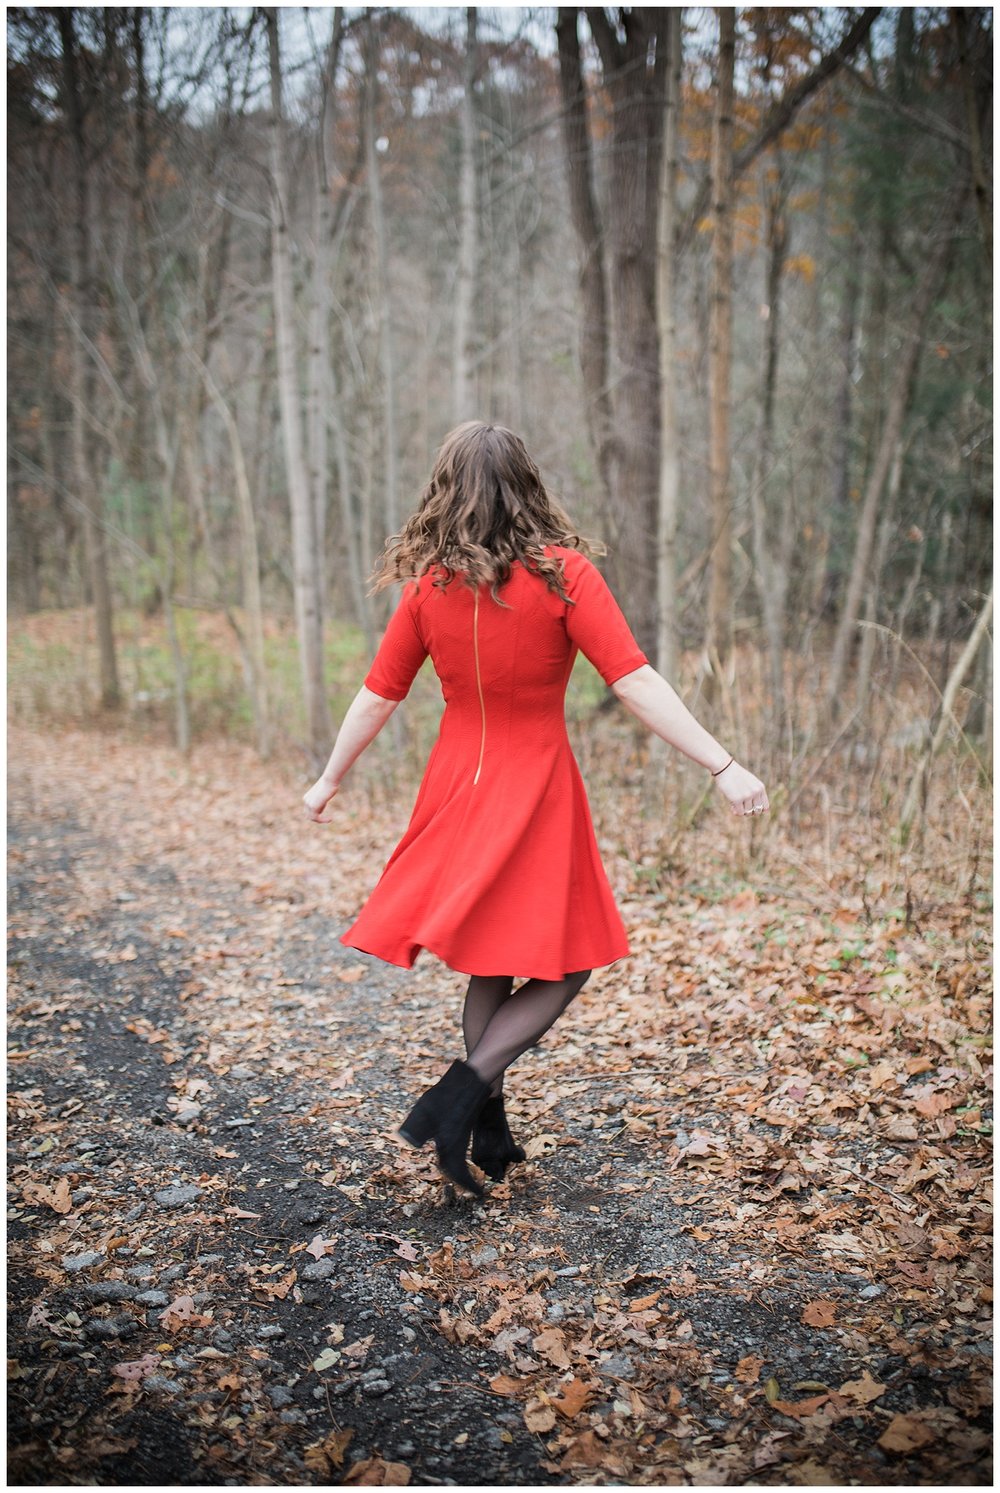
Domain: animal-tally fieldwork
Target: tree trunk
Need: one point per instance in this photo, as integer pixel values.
(390, 442)
(250, 570)
(595, 335)
(901, 386)
(463, 397)
(772, 542)
(305, 556)
(667, 643)
(719, 639)
(839, 482)
(81, 380)
(917, 791)
(636, 91)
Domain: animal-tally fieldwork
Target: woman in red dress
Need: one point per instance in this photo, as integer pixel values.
(498, 869)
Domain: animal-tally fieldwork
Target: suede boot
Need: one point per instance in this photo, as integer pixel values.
(445, 1113)
(493, 1146)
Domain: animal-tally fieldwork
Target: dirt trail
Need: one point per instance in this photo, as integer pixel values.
(206, 1187)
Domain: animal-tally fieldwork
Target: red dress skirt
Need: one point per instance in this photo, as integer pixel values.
(499, 872)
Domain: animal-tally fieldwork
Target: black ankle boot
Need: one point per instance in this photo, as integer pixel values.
(493, 1146)
(446, 1113)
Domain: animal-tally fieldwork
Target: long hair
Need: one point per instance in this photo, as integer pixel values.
(484, 508)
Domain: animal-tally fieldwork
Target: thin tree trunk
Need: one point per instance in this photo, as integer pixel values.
(719, 640)
(839, 482)
(595, 338)
(381, 298)
(250, 570)
(667, 644)
(81, 381)
(899, 395)
(304, 549)
(463, 398)
(772, 542)
(917, 791)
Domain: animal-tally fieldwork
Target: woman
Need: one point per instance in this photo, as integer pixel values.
(498, 873)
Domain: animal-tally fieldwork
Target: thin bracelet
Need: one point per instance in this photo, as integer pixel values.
(722, 769)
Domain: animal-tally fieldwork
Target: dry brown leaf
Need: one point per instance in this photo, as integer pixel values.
(551, 1344)
(503, 1384)
(864, 1390)
(748, 1369)
(905, 1433)
(323, 1456)
(572, 1397)
(539, 1416)
(376, 1473)
(799, 1408)
(641, 1304)
(819, 1313)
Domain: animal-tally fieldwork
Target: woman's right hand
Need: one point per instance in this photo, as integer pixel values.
(745, 793)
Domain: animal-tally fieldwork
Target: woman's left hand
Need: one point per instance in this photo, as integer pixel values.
(317, 798)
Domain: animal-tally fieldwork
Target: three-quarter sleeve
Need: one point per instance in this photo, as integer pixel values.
(596, 623)
(401, 651)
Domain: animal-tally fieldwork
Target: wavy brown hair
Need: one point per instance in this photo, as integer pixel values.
(484, 507)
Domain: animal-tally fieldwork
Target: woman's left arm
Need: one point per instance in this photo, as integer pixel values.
(366, 716)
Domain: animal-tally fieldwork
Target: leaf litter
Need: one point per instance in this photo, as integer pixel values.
(748, 1242)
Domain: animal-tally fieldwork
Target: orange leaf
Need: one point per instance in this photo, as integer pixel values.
(862, 1391)
(572, 1397)
(748, 1369)
(819, 1313)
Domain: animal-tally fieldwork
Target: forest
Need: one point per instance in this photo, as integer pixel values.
(728, 272)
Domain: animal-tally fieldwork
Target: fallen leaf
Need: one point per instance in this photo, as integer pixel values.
(326, 1360)
(748, 1369)
(819, 1313)
(539, 1416)
(318, 1246)
(864, 1390)
(323, 1456)
(905, 1433)
(799, 1408)
(551, 1344)
(572, 1397)
(503, 1384)
(375, 1473)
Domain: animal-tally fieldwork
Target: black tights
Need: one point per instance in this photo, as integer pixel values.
(500, 1023)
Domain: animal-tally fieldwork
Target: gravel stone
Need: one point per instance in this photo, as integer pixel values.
(319, 1269)
(174, 1272)
(377, 1387)
(139, 1272)
(153, 1298)
(484, 1256)
(75, 1263)
(280, 1396)
(160, 1381)
(176, 1197)
(270, 1330)
(869, 1293)
(106, 1329)
(109, 1290)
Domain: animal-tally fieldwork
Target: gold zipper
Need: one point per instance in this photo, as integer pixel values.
(479, 686)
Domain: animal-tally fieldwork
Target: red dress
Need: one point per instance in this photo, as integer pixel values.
(499, 872)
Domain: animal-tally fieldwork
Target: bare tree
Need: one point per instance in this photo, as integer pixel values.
(719, 638)
(306, 558)
(81, 376)
(463, 399)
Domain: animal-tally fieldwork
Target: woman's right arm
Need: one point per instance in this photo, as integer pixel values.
(648, 696)
(366, 715)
